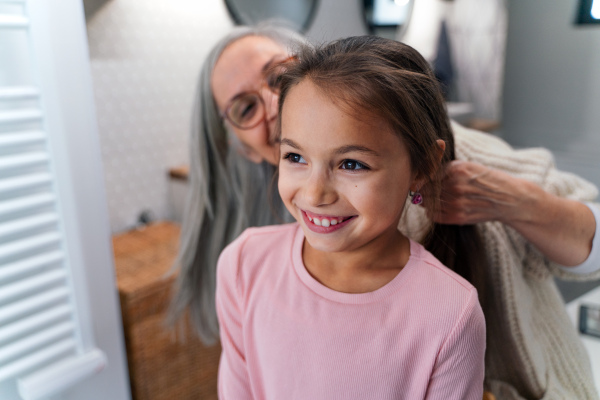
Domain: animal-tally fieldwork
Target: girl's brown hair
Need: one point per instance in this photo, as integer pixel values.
(391, 81)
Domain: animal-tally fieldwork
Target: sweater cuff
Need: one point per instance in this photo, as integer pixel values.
(592, 264)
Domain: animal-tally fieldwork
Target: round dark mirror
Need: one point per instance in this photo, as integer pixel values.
(387, 18)
(298, 13)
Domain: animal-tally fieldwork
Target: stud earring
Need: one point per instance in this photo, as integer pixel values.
(416, 198)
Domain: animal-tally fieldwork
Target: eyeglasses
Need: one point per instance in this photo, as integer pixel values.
(247, 109)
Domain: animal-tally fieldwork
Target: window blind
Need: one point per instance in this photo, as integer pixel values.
(41, 346)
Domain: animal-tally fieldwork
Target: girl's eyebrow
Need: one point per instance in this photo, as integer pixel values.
(340, 150)
(356, 148)
(290, 143)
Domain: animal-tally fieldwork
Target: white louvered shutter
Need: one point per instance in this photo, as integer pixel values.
(46, 339)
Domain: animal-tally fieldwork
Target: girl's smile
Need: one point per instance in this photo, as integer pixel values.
(323, 223)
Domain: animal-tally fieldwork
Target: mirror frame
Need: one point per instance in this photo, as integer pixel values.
(305, 26)
(372, 28)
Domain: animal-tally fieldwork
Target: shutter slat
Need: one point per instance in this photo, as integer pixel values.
(23, 224)
(19, 246)
(22, 160)
(24, 203)
(27, 265)
(18, 92)
(60, 376)
(9, 332)
(14, 116)
(32, 342)
(25, 306)
(41, 341)
(25, 137)
(38, 358)
(23, 182)
(24, 286)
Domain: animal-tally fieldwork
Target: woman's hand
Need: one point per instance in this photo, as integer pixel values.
(561, 229)
(473, 193)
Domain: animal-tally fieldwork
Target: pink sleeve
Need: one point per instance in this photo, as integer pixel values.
(233, 381)
(459, 369)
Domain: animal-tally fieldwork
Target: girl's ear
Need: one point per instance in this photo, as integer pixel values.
(442, 148)
(419, 181)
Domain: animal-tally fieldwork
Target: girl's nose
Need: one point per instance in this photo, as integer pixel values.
(319, 189)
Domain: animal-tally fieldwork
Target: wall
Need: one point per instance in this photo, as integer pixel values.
(337, 18)
(145, 58)
(552, 81)
(476, 34)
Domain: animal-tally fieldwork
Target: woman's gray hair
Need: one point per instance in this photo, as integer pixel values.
(226, 193)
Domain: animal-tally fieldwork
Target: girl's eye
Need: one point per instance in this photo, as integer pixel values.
(295, 158)
(353, 165)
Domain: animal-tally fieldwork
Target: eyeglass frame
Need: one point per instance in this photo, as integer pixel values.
(225, 114)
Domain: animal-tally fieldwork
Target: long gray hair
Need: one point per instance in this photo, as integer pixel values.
(226, 193)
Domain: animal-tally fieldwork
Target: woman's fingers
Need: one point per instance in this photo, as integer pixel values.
(473, 193)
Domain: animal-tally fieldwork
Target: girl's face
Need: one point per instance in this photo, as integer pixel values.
(344, 179)
(239, 69)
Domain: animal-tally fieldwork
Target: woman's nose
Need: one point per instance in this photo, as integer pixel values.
(319, 189)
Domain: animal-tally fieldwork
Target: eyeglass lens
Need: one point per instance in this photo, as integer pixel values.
(248, 110)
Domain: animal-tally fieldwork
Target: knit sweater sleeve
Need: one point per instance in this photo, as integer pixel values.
(592, 264)
(233, 380)
(535, 165)
(459, 367)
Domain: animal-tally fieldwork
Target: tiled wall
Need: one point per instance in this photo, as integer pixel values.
(145, 58)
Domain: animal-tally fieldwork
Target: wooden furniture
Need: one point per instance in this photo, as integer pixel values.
(160, 366)
(180, 173)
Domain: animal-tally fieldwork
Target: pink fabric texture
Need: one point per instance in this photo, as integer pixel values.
(286, 336)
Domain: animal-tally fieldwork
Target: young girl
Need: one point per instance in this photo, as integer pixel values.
(341, 305)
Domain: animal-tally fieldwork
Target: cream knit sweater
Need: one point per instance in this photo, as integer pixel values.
(533, 350)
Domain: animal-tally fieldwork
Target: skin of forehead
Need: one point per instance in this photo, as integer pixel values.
(239, 68)
(365, 121)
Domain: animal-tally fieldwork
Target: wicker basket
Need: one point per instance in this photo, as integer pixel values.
(160, 367)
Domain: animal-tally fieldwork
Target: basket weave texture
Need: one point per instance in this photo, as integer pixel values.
(161, 367)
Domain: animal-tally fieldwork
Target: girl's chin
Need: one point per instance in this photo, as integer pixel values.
(322, 246)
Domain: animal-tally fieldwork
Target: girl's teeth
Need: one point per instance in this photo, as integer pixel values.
(325, 222)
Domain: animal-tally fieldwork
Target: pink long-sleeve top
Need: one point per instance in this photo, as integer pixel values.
(287, 336)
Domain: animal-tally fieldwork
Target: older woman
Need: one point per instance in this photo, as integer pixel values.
(533, 219)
